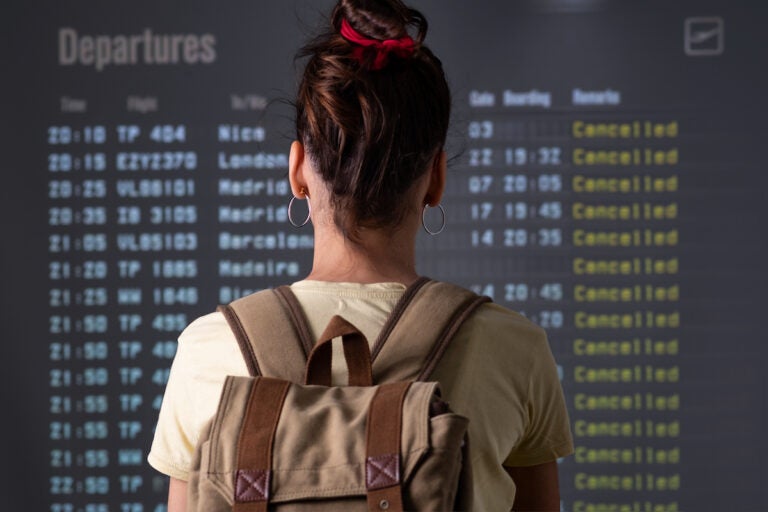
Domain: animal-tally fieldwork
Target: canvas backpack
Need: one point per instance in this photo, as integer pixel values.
(284, 439)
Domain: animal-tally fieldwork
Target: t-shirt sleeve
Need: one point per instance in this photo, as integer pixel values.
(207, 352)
(547, 434)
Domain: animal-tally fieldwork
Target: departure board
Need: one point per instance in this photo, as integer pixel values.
(607, 179)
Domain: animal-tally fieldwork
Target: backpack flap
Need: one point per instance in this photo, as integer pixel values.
(319, 448)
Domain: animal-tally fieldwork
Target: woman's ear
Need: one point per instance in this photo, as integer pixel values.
(296, 164)
(437, 180)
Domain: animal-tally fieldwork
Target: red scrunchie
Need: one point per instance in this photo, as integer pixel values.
(403, 47)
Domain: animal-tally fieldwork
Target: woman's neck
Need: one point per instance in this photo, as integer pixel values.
(377, 257)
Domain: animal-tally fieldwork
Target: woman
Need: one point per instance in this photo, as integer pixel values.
(372, 117)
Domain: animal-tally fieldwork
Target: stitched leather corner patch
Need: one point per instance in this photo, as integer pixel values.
(382, 471)
(251, 485)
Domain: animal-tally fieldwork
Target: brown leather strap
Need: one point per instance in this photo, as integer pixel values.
(383, 467)
(356, 352)
(254, 448)
(267, 334)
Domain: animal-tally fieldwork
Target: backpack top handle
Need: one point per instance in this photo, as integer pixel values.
(356, 352)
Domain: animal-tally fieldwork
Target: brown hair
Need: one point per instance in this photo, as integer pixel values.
(371, 133)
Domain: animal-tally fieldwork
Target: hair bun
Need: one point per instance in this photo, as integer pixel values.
(381, 19)
(379, 49)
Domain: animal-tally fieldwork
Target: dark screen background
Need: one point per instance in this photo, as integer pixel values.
(123, 206)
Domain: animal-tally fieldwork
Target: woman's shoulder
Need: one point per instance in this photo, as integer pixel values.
(204, 327)
(207, 346)
(499, 329)
(493, 316)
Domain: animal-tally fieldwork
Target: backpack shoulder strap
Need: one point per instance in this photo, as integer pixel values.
(414, 340)
(272, 333)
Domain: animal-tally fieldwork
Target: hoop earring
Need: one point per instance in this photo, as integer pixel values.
(424, 221)
(290, 212)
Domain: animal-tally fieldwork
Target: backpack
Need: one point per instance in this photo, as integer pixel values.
(284, 439)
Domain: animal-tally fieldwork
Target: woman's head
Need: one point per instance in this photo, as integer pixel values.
(372, 124)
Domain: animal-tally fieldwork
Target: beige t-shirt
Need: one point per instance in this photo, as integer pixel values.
(498, 371)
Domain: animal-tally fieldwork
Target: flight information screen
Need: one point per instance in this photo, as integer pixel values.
(607, 179)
